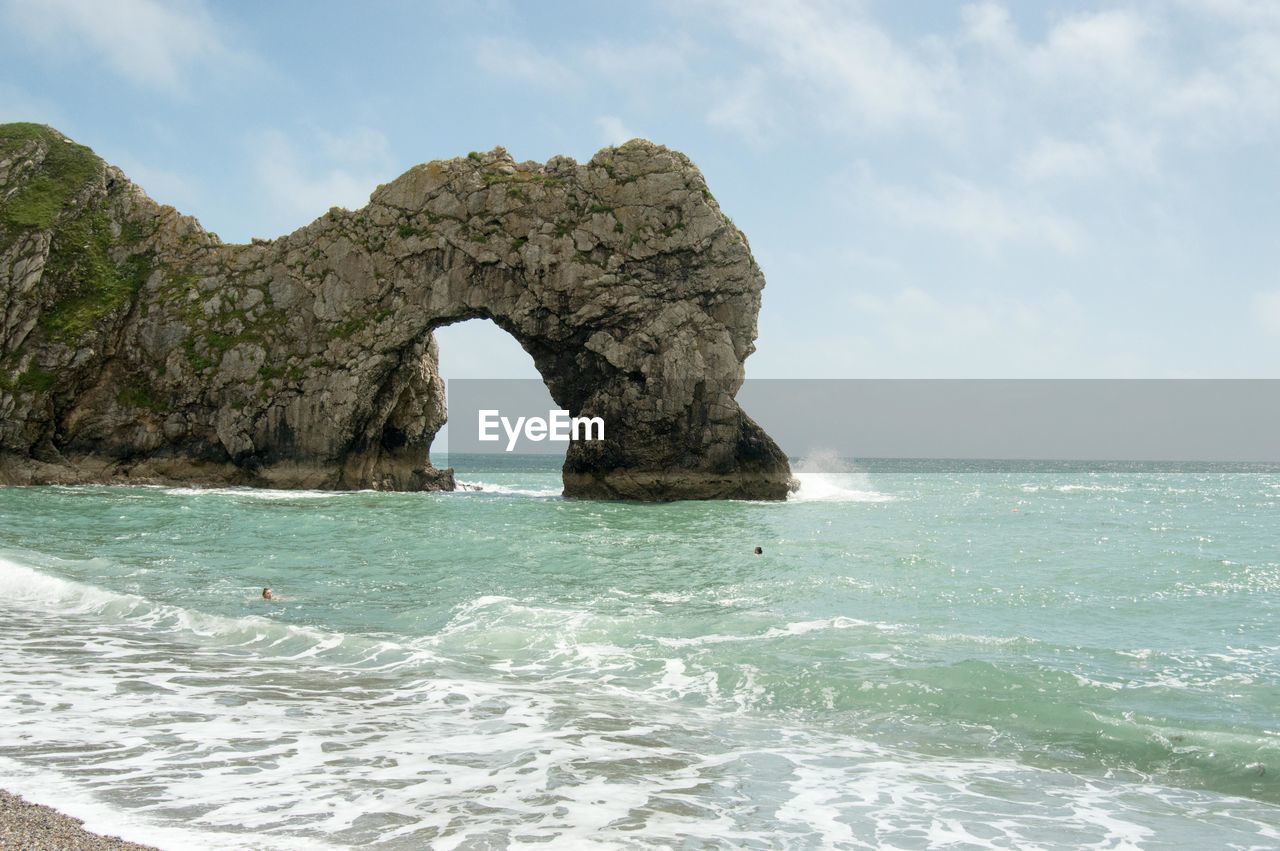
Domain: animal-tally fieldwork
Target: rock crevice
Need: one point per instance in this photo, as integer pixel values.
(136, 346)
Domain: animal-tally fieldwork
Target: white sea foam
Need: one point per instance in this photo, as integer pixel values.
(188, 729)
(826, 477)
(1074, 488)
(53, 790)
(505, 490)
(790, 630)
(828, 487)
(258, 493)
(39, 591)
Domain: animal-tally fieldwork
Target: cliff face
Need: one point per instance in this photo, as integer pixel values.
(135, 346)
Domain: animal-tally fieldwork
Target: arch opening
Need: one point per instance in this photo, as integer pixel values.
(481, 362)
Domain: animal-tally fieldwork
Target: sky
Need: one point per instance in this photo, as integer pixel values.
(933, 190)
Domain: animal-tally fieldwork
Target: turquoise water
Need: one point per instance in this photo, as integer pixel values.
(927, 654)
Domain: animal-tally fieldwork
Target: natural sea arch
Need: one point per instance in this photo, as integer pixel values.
(310, 360)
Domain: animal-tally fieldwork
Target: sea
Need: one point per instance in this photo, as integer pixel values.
(927, 654)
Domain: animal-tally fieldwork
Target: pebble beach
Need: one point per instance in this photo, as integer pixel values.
(33, 827)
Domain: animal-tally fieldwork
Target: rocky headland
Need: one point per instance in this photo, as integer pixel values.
(137, 347)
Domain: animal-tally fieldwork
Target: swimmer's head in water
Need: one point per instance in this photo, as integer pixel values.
(266, 593)
(759, 551)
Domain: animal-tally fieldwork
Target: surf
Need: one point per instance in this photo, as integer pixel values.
(826, 477)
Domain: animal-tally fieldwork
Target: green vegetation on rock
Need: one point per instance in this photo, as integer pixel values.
(66, 169)
(36, 380)
(81, 255)
(138, 396)
(93, 283)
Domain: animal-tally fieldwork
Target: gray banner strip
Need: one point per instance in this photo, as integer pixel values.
(1015, 419)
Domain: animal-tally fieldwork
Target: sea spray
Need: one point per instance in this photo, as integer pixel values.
(825, 476)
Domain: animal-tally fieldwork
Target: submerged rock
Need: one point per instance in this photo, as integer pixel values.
(136, 346)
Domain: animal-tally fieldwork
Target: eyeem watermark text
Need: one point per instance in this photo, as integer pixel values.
(558, 426)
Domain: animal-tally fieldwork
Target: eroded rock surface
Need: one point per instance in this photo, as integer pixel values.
(136, 346)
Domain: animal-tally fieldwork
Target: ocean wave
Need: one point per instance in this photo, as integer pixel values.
(824, 476)
(39, 591)
(1076, 488)
(269, 748)
(506, 490)
(790, 630)
(835, 487)
(257, 493)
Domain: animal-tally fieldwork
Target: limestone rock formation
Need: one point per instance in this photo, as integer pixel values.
(136, 347)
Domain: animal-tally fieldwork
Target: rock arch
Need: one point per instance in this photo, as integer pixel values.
(310, 360)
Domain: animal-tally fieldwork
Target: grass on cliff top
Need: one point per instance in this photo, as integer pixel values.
(80, 255)
(65, 171)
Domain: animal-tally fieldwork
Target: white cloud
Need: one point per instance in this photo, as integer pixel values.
(1232, 97)
(479, 349)
(613, 131)
(981, 215)
(908, 332)
(521, 61)
(988, 24)
(1119, 92)
(638, 63)
(1116, 148)
(297, 183)
(1239, 12)
(742, 106)
(1196, 72)
(910, 313)
(1266, 311)
(846, 68)
(356, 145)
(18, 105)
(1060, 158)
(163, 185)
(154, 44)
(829, 67)
(1107, 46)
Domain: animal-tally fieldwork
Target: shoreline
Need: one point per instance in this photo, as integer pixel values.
(35, 827)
